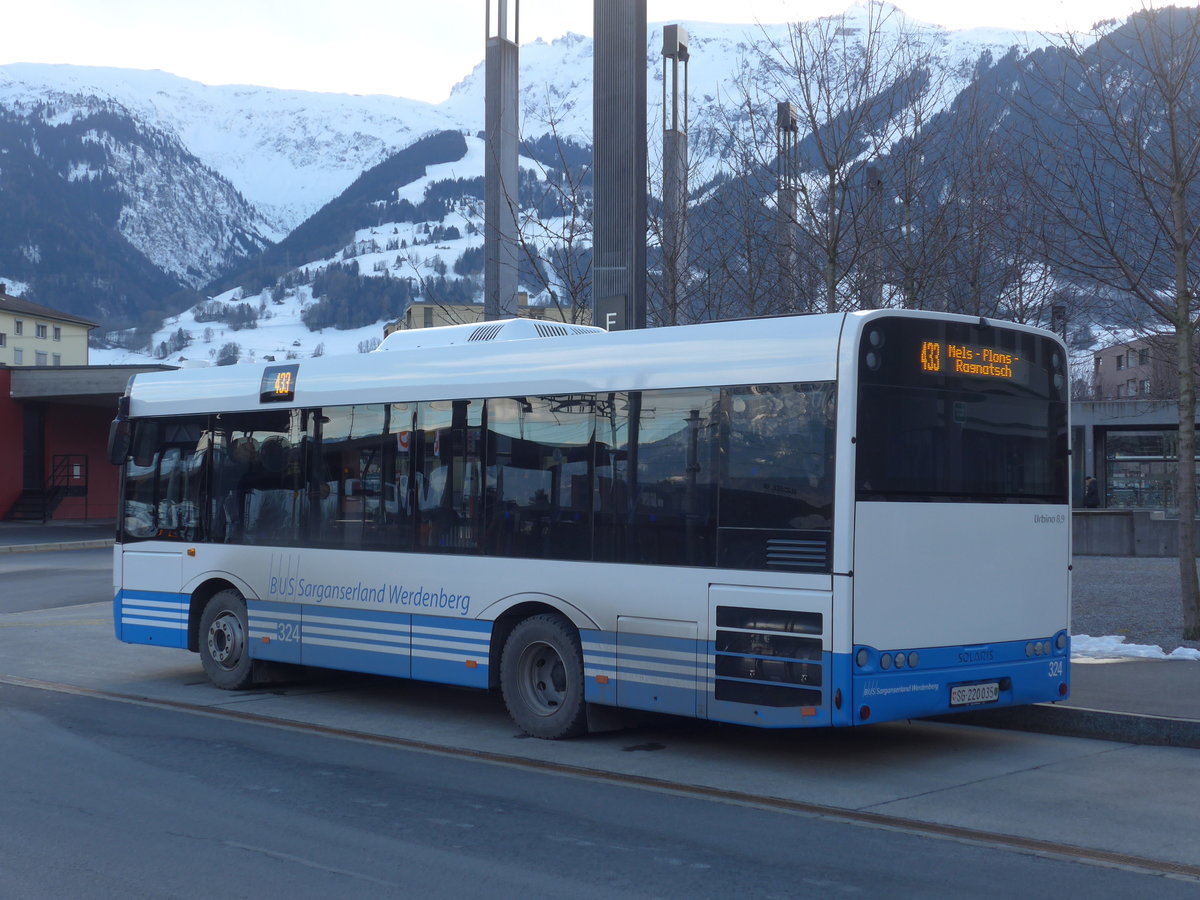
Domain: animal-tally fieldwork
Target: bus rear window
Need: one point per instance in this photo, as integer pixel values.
(960, 412)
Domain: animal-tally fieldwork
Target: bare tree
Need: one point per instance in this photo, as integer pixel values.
(1117, 156)
(552, 205)
(555, 230)
(853, 84)
(728, 243)
(906, 201)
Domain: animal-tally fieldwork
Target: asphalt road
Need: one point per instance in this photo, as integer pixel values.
(123, 772)
(105, 799)
(53, 579)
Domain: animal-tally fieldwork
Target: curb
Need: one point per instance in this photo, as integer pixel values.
(1096, 724)
(62, 545)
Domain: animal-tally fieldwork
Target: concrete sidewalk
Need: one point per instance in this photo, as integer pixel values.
(1138, 701)
(1143, 701)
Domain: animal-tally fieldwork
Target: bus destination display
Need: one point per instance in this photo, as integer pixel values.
(278, 384)
(951, 358)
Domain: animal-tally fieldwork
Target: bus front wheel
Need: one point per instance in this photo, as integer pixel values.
(224, 644)
(541, 678)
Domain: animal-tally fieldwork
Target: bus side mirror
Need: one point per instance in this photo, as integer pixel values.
(120, 433)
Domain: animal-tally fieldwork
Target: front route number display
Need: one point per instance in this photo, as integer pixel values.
(278, 384)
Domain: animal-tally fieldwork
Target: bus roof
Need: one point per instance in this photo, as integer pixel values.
(748, 351)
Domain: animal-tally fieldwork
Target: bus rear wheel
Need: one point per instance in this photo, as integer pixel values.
(224, 641)
(541, 678)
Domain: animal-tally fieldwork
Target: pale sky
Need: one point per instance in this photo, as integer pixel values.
(408, 48)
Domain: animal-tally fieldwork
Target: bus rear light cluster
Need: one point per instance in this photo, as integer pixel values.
(901, 660)
(1048, 646)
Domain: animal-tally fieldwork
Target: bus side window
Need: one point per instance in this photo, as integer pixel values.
(777, 470)
(138, 519)
(656, 477)
(675, 480)
(163, 480)
(257, 477)
(231, 482)
(447, 447)
(539, 461)
(610, 501)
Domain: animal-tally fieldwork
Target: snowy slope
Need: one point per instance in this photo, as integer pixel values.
(280, 329)
(290, 152)
(287, 152)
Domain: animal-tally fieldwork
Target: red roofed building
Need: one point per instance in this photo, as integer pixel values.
(55, 410)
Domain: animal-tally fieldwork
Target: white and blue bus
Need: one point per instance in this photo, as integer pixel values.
(800, 521)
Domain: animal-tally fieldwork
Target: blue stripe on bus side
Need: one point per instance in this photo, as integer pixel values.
(274, 630)
(151, 617)
(677, 675)
(599, 667)
(643, 672)
(451, 651)
(660, 673)
(356, 640)
(430, 648)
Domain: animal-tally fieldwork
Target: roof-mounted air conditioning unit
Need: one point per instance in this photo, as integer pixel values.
(477, 332)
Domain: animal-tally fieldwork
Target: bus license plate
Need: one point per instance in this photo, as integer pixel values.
(970, 694)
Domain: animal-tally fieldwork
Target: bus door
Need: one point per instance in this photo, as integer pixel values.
(163, 472)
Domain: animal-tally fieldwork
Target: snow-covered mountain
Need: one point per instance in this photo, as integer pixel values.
(290, 152)
(206, 175)
(286, 152)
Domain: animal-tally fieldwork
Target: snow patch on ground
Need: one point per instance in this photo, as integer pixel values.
(1084, 646)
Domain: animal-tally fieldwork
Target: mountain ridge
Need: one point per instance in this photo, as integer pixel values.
(292, 156)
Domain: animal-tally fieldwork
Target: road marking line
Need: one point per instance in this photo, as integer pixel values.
(287, 857)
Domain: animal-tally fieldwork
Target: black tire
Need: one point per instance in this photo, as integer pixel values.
(541, 678)
(225, 642)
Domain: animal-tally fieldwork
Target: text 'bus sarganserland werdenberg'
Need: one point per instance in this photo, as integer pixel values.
(799, 521)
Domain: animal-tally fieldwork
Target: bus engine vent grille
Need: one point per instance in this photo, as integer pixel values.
(792, 553)
(486, 332)
(768, 657)
(548, 329)
(774, 548)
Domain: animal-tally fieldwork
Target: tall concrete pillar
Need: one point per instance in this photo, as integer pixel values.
(619, 164)
(500, 170)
